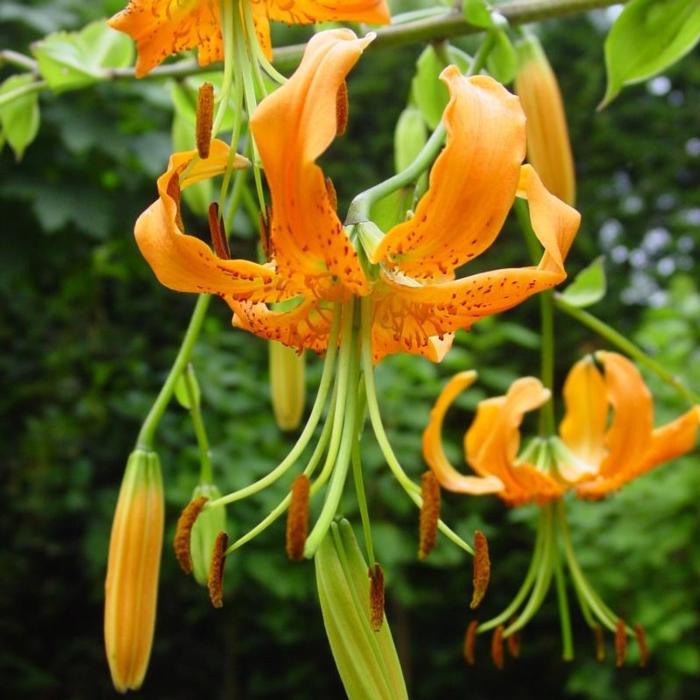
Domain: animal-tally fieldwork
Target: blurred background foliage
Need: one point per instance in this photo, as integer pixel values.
(89, 335)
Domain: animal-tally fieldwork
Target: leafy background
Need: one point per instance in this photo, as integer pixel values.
(88, 336)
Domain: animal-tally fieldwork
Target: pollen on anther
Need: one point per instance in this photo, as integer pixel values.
(599, 643)
(641, 636)
(482, 568)
(429, 514)
(376, 597)
(513, 642)
(218, 235)
(470, 642)
(183, 530)
(341, 109)
(298, 518)
(205, 118)
(216, 570)
(620, 642)
(497, 647)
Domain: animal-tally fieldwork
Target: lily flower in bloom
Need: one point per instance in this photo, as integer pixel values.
(161, 28)
(594, 454)
(354, 297)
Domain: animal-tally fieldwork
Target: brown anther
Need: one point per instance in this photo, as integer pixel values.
(330, 191)
(264, 222)
(497, 647)
(482, 568)
(183, 530)
(173, 190)
(218, 235)
(599, 643)
(216, 570)
(298, 518)
(641, 636)
(429, 514)
(470, 642)
(205, 119)
(342, 108)
(620, 642)
(513, 643)
(376, 597)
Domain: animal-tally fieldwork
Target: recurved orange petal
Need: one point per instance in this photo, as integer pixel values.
(292, 127)
(472, 183)
(493, 440)
(434, 454)
(161, 28)
(585, 420)
(187, 264)
(310, 11)
(307, 326)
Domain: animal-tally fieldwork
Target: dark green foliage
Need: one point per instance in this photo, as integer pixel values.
(88, 334)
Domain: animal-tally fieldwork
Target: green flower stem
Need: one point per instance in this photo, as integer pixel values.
(563, 603)
(411, 489)
(359, 208)
(356, 458)
(282, 506)
(144, 441)
(543, 576)
(547, 425)
(206, 471)
(532, 570)
(347, 392)
(15, 94)
(627, 346)
(306, 434)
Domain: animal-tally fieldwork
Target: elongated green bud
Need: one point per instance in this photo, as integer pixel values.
(210, 522)
(287, 385)
(131, 588)
(410, 136)
(366, 660)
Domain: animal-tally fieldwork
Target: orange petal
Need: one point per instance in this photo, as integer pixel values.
(493, 440)
(293, 127)
(409, 314)
(629, 437)
(585, 420)
(433, 451)
(555, 224)
(185, 263)
(307, 326)
(667, 442)
(161, 28)
(472, 184)
(310, 11)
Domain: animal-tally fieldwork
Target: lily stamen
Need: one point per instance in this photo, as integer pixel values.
(470, 642)
(298, 518)
(497, 648)
(183, 532)
(204, 119)
(376, 597)
(429, 514)
(216, 570)
(482, 569)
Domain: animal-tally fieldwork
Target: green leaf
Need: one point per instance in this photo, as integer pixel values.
(429, 91)
(588, 287)
(19, 118)
(648, 36)
(502, 60)
(366, 660)
(477, 13)
(73, 60)
(187, 390)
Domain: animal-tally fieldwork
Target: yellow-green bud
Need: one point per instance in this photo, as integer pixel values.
(131, 588)
(209, 523)
(287, 385)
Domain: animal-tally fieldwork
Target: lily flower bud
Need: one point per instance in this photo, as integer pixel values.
(131, 588)
(209, 523)
(548, 147)
(287, 385)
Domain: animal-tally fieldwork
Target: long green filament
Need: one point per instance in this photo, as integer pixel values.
(563, 603)
(411, 489)
(206, 471)
(304, 438)
(228, 28)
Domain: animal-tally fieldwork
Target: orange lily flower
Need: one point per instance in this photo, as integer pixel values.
(601, 454)
(416, 301)
(161, 28)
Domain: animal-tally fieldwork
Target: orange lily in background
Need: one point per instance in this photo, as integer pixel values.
(416, 301)
(601, 454)
(162, 28)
